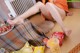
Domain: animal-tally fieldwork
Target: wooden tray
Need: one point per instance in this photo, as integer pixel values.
(76, 49)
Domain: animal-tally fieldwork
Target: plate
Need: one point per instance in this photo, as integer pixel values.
(4, 33)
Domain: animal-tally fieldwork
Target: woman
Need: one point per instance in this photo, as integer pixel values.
(50, 9)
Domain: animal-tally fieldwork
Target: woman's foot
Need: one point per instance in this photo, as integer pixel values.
(15, 21)
(67, 31)
(10, 22)
(69, 14)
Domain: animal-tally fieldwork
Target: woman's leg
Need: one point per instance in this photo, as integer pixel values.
(57, 14)
(39, 6)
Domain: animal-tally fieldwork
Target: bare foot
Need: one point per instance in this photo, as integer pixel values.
(67, 32)
(15, 21)
(10, 22)
(69, 14)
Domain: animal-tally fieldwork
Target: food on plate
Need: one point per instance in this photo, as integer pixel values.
(4, 27)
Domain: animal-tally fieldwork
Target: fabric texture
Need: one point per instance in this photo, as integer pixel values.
(22, 33)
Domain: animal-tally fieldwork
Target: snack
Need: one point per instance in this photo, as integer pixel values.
(53, 44)
(60, 36)
(39, 49)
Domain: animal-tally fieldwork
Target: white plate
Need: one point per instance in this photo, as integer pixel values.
(6, 31)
